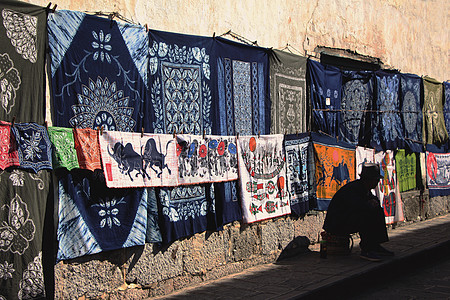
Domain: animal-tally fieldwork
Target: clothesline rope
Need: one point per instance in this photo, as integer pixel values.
(379, 111)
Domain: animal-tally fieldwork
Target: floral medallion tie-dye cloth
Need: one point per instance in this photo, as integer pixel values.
(412, 117)
(296, 148)
(64, 153)
(262, 180)
(34, 146)
(8, 147)
(98, 72)
(387, 190)
(22, 56)
(335, 167)
(434, 123)
(23, 200)
(138, 160)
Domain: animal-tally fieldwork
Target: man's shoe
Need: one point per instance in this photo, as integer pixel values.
(381, 251)
(370, 255)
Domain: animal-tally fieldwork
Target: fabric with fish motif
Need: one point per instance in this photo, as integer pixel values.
(64, 153)
(138, 160)
(262, 181)
(335, 167)
(34, 146)
(23, 200)
(87, 148)
(8, 148)
(387, 190)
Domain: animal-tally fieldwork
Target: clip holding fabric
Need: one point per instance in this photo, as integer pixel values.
(142, 132)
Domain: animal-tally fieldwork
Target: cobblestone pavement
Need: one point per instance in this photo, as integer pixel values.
(307, 276)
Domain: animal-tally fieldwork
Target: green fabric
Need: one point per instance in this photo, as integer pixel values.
(288, 93)
(23, 200)
(64, 154)
(405, 165)
(434, 123)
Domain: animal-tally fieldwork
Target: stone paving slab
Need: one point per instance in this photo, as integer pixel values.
(307, 274)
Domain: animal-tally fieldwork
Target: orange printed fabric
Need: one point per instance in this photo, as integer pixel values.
(88, 148)
(335, 167)
(8, 150)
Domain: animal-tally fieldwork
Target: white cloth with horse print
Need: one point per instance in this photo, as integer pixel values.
(138, 160)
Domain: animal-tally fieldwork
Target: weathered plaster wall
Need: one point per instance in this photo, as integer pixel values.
(408, 35)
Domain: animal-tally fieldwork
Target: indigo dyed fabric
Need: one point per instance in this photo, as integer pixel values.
(438, 165)
(405, 166)
(94, 218)
(182, 92)
(296, 151)
(434, 124)
(335, 167)
(243, 106)
(325, 90)
(357, 99)
(64, 153)
(387, 190)
(33, 146)
(387, 128)
(23, 200)
(262, 181)
(289, 112)
(410, 104)
(22, 55)
(447, 110)
(98, 72)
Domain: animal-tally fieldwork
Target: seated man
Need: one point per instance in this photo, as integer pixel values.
(355, 209)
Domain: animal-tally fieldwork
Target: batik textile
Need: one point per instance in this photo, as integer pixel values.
(335, 167)
(64, 153)
(325, 90)
(262, 180)
(22, 61)
(405, 166)
(411, 111)
(94, 218)
(33, 146)
(23, 201)
(438, 173)
(8, 147)
(387, 190)
(288, 93)
(363, 155)
(357, 100)
(434, 123)
(387, 128)
(87, 148)
(138, 160)
(182, 88)
(296, 152)
(447, 110)
(98, 72)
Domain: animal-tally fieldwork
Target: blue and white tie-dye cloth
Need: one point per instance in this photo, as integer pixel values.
(412, 117)
(98, 71)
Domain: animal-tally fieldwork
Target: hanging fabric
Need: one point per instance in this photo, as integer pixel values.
(325, 90)
(363, 155)
(98, 72)
(387, 190)
(357, 100)
(335, 167)
(297, 182)
(289, 111)
(22, 55)
(405, 166)
(23, 199)
(410, 104)
(262, 180)
(434, 123)
(438, 171)
(387, 129)
(87, 148)
(8, 147)
(64, 153)
(34, 146)
(182, 91)
(243, 106)
(447, 110)
(138, 160)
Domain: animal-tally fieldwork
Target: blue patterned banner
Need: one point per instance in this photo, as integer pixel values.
(99, 72)
(412, 118)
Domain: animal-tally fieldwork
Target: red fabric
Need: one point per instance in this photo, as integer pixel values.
(8, 150)
(88, 148)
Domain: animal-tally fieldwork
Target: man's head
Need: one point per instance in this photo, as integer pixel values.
(371, 175)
